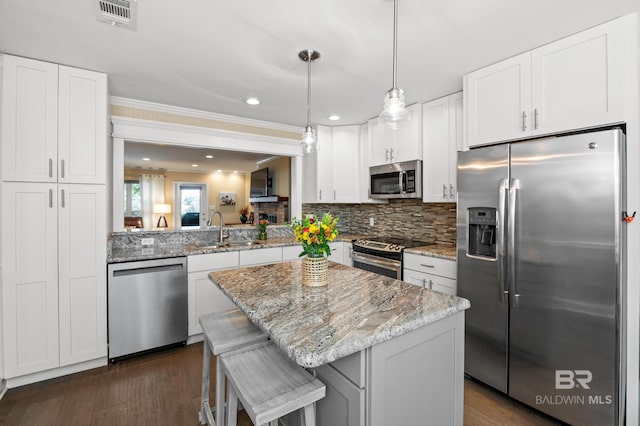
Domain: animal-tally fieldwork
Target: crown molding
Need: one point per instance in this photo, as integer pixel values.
(188, 112)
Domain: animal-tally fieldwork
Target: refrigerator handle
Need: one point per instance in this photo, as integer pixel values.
(511, 243)
(503, 290)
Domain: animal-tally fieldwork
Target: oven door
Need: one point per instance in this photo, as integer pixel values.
(379, 265)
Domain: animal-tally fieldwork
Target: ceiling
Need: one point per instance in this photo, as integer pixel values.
(211, 55)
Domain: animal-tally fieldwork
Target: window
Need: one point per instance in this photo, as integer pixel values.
(132, 198)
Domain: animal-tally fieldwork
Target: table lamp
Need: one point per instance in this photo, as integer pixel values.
(162, 209)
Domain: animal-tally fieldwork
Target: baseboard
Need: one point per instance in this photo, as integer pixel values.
(3, 388)
(55, 372)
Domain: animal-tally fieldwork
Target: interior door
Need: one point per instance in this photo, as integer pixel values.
(480, 174)
(566, 277)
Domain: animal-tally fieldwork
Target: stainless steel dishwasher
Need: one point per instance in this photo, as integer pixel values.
(147, 305)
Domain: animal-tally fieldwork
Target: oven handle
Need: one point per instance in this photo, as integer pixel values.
(376, 261)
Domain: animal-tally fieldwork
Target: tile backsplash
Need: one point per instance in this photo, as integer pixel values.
(411, 219)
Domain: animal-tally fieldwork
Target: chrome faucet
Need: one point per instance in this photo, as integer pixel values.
(217, 212)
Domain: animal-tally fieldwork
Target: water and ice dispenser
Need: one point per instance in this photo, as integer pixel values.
(482, 232)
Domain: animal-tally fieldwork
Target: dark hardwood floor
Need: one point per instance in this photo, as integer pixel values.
(163, 388)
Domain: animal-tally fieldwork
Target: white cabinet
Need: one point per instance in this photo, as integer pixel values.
(54, 123)
(204, 296)
(392, 146)
(573, 83)
(344, 403)
(261, 256)
(53, 275)
(430, 272)
(331, 175)
(441, 138)
(341, 252)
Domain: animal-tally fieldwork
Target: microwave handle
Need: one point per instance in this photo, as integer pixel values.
(402, 182)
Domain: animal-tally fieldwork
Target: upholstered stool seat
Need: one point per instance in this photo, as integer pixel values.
(223, 332)
(269, 385)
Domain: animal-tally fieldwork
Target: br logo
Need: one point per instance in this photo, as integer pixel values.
(569, 379)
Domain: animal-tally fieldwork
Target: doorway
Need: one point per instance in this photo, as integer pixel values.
(190, 203)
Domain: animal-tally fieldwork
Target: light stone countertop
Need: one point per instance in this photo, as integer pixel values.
(318, 325)
(442, 251)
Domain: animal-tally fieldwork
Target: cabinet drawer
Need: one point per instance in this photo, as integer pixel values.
(291, 252)
(260, 256)
(212, 261)
(430, 265)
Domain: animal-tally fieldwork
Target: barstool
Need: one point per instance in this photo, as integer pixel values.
(223, 332)
(269, 385)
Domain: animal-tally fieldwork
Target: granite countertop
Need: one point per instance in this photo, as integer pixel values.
(443, 251)
(166, 251)
(317, 325)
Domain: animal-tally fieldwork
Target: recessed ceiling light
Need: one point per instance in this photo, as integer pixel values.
(219, 171)
(146, 159)
(209, 156)
(334, 117)
(194, 165)
(253, 101)
(235, 171)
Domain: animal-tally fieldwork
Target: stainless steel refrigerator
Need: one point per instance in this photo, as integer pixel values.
(540, 244)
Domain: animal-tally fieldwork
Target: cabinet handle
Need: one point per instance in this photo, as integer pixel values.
(535, 118)
(430, 284)
(391, 154)
(386, 154)
(334, 195)
(62, 198)
(444, 192)
(524, 121)
(62, 168)
(424, 283)
(50, 167)
(427, 266)
(320, 195)
(50, 198)
(452, 192)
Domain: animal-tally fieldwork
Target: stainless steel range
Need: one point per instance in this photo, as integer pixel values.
(382, 256)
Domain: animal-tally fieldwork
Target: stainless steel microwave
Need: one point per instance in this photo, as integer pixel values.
(396, 180)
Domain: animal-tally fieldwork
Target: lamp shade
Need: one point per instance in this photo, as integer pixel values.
(162, 208)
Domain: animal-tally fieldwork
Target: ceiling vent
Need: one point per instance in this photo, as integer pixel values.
(118, 12)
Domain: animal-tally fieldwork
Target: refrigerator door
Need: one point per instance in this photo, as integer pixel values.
(481, 174)
(565, 291)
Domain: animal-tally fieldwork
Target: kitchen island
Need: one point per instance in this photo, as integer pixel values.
(390, 353)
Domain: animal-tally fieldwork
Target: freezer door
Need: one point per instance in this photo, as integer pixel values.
(481, 174)
(564, 357)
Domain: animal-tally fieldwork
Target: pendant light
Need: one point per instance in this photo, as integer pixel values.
(309, 140)
(394, 114)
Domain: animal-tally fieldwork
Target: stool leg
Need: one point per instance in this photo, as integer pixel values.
(309, 415)
(206, 417)
(232, 409)
(219, 392)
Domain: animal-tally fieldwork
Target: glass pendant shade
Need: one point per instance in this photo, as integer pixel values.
(394, 114)
(309, 140)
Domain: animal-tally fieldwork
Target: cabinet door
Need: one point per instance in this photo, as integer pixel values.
(343, 403)
(442, 284)
(204, 298)
(579, 81)
(378, 143)
(29, 122)
(261, 256)
(325, 165)
(406, 142)
(345, 164)
(498, 101)
(291, 253)
(456, 143)
(82, 234)
(82, 126)
(416, 278)
(29, 278)
(337, 252)
(436, 150)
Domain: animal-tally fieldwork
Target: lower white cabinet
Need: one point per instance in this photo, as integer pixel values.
(261, 256)
(53, 275)
(204, 296)
(430, 272)
(344, 402)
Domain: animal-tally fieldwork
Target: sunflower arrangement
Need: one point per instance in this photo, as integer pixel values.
(315, 234)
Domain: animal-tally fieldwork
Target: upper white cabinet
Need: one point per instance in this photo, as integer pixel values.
(576, 82)
(331, 175)
(441, 139)
(391, 146)
(54, 123)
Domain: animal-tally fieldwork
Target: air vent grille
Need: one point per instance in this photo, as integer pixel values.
(117, 12)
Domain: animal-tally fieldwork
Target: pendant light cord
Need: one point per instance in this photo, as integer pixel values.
(309, 53)
(395, 41)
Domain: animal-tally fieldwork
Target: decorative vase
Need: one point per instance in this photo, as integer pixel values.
(243, 219)
(262, 235)
(314, 271)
